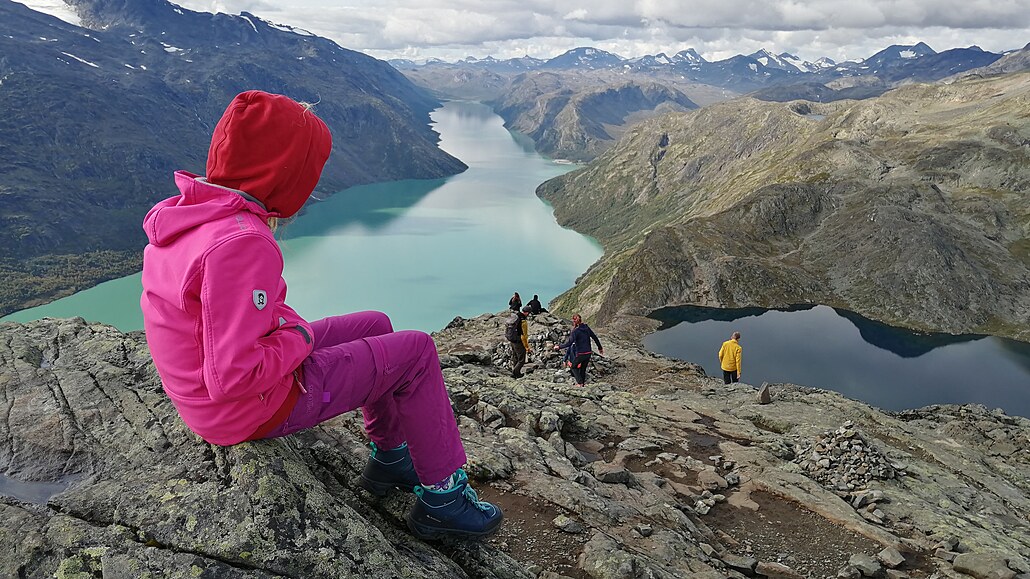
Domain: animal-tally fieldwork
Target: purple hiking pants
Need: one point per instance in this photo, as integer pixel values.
(359, 361)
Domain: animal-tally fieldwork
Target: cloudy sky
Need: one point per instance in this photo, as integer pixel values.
(840, 29)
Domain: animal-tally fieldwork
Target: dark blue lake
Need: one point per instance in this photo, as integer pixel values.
(823, 347)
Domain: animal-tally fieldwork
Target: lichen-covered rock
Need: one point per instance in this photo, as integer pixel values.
(100, 477)
(984, 565)
(141, 494)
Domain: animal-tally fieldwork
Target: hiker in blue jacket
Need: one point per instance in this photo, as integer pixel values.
(579, 342)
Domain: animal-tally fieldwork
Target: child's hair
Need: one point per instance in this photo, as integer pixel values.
(273, 223)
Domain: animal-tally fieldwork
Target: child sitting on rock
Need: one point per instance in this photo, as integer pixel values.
(240, 364)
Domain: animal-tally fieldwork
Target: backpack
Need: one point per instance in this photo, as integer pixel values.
(513, 329)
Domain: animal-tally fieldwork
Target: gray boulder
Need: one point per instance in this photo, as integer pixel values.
(135, 493)
(984, 565)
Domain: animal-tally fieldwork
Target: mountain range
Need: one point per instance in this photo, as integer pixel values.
(544, 97)
(744, 73)
(96, 119)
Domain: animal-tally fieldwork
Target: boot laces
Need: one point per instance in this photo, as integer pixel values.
(473, 498)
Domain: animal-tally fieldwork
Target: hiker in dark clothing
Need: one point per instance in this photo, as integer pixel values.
(580, 340)
(535, 306)
(517, 334)
(515, 303)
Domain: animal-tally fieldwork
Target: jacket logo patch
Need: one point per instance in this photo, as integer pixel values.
(260, 299)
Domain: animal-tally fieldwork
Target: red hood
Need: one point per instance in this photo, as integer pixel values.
(270, 147)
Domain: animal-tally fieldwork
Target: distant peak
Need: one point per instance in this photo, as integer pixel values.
(689, 55)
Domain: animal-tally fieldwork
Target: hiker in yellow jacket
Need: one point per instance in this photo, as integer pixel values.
(729, 358)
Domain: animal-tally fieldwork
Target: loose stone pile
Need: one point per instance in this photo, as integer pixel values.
(543, 357)
(545, 332)
(842, 460)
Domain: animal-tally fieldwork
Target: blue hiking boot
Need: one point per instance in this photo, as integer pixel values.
(456, 511)
(388, 469)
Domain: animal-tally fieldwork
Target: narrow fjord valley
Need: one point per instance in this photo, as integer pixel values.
(908, 206)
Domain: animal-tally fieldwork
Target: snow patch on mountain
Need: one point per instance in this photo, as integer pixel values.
(55, 8)
(249, 21)
(799, 63)
(689, 55)
(288, 28)
(82, 60)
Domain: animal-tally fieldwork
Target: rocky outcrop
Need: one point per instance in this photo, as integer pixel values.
(907, 208)
(651, 470)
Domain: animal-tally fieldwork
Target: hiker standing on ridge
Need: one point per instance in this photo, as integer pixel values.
(729, 359)
(580, 340)
(239, 364)
(516, 331)
(515, 303)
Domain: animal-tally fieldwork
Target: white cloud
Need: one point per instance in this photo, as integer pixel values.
(839, 29)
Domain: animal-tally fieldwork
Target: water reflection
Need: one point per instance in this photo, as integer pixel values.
(819, 346)
(1018, 353)
(669, 317)
(373, 206)
(905, 343)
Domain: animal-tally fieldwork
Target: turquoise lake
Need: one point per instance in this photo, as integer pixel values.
(421, 251)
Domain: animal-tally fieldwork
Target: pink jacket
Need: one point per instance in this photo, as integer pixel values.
(222, 337)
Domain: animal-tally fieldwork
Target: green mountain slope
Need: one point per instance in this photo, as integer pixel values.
(910, 208)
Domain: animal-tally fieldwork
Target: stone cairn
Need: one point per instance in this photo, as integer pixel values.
(844, 462)
(545, 360)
